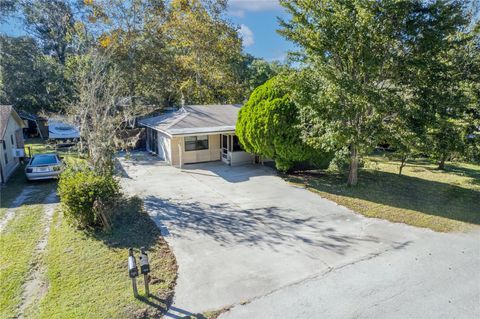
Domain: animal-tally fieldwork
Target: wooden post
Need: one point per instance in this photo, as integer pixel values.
(147, 289)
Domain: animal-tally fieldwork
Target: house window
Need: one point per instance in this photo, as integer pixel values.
(4, 145)
(196, 143)
(11, 139)
(6, 157)
(236, 144)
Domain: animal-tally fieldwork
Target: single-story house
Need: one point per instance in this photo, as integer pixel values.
(195, 134)
(11, 139)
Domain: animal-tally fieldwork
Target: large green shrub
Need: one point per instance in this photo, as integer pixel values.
(87, 197)
(268, 125)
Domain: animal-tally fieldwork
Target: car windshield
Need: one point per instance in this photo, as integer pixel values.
(44, 160)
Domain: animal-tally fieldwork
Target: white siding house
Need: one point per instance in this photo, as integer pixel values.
(195, 134)
(11, 141)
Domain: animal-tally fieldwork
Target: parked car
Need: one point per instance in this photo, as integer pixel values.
(44, 166)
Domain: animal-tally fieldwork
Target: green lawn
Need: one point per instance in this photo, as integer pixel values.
(18, 182)
(88, 277)
(17, 244)
(86, 272)
(38, 145)
(423, 196)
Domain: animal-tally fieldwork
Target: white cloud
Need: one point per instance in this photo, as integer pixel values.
(247, 35)
(238, 8)
(236, 13)
(254, 5)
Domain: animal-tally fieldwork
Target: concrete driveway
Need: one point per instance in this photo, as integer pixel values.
(245, 238)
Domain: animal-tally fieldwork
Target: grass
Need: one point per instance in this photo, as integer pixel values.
(38, 145)
(11, 190)
(17, 181)
(209, 314)
(17, 244)
(87, 272)
(423, 196)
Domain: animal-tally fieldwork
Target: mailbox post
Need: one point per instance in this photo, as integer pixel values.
(133, 271)
(145, 269)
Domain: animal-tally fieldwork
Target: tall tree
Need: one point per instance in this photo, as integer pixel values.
(29, 79)
(257, 71)
(438, 65)
(101, 118)
(132, 31)
(206, 50)
(349, 47)
(52, 21)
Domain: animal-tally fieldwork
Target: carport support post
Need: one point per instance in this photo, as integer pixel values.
(180, 153)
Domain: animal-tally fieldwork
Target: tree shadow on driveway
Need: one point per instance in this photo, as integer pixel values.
(270, 226)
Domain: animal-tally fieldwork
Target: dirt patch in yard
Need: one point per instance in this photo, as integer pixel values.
(36, 287)
(17, 202)
(87, 271)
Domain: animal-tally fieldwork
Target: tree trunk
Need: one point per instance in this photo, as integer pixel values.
(441, 165)
(353, 172)
(402, 164)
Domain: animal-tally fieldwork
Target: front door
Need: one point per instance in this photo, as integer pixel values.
(162, 140)
(225, 148)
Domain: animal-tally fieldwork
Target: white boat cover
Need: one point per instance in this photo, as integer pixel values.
(60, 130)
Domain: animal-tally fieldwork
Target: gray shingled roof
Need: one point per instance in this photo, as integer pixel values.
(196, 119)
(5, 111)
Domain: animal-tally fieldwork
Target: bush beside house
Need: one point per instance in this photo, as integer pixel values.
(268, 126)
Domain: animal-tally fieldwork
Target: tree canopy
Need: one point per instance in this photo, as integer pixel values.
(371, 64)
(267, 125)
(167, 52)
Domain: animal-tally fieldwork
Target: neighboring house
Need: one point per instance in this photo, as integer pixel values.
(11, 141)
(195, 134)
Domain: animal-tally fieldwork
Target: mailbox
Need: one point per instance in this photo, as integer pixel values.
(144, 263)
(132, 264)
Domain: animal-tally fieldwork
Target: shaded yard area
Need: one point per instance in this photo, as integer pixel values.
(83, 274)
(423, 196)
(87, 273)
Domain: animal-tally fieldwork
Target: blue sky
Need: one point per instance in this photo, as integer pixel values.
(257, 20)
(258, 24)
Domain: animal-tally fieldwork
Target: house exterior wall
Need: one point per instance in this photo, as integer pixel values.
(240, 158)
(208, 155)
(11, 133)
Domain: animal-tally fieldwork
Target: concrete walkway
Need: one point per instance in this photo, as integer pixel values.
(244, 237)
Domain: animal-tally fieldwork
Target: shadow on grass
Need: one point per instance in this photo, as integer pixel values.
(18, 183)
(132, 227)
(407, 192)
(464, 171)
